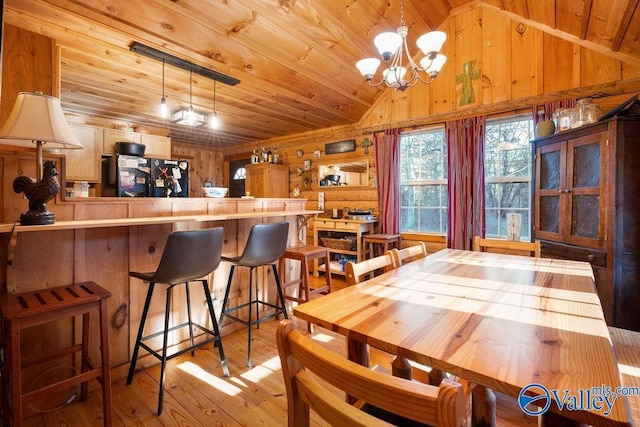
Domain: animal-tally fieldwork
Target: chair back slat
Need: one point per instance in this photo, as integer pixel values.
(507, 246)
(408, 254)
(354, 271)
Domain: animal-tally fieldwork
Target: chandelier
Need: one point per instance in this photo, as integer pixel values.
(393, 48)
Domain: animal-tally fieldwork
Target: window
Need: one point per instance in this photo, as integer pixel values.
(423, 182)
(241, 173)
(423, 178)
(507, 172)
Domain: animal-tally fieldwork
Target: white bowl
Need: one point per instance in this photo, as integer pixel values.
(214, 191)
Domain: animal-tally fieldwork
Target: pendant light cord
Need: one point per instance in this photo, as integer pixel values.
(191, 89)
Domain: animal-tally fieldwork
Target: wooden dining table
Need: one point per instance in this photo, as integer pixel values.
(503, 322)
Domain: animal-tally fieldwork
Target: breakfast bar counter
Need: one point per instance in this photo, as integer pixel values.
(102, 239)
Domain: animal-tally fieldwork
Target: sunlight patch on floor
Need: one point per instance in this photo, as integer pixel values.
(221, 384)
(263, 370)
(322, 337)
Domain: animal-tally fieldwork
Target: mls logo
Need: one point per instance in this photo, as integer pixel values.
(534, 399)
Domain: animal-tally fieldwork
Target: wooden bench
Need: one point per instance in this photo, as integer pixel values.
(626, 345)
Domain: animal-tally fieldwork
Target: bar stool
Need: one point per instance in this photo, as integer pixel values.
(386, 240)
(304, 254)
(188, 256)
(29, 309)
(265, 245)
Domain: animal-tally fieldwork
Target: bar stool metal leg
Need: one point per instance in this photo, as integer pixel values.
(225, 301)
(165, 341)
(216, 329)
(143, 320)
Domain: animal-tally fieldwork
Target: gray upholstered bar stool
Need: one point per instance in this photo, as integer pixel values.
(265, 245)
(188, 256)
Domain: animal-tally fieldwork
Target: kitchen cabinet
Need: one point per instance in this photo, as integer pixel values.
(156, 146)
(586, 207)
(267, 180)
(336, 230)
(111, 136)
(84, 164)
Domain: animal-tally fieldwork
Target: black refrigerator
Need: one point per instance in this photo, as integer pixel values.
(149, 177)
(169, 178)
(131, 176)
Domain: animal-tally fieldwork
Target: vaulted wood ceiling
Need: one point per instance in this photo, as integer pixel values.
(294, 59)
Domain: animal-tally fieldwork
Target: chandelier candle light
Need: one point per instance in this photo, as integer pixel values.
(393, 47)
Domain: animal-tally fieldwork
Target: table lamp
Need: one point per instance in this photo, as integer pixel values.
(37, 119)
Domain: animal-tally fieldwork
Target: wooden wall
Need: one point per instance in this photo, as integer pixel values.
(518, 66)
(28, 60)
(205, 164)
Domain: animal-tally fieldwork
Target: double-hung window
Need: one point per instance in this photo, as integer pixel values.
(423, 181)
(507, 174)
(507, 163)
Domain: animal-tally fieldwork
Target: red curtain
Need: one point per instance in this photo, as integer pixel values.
(465, 176)
(387, 155)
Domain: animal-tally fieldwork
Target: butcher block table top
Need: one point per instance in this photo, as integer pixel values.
(501, 321)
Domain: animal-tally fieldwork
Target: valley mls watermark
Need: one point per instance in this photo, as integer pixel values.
(536, 399)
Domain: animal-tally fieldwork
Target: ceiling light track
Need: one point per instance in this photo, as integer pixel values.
(181, 63)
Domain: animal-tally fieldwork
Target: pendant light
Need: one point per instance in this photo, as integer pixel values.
(189, 117)
(214, 122)
(164, 109)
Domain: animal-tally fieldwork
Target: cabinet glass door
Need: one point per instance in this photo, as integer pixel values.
(551, 179)
(585, 161)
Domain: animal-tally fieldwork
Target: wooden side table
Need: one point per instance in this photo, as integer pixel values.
(386, 240)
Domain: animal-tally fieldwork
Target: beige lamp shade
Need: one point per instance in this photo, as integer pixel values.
(38, 118)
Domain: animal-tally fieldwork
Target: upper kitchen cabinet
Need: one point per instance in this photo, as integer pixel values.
(267, 180)
(111, 136)
(84, 165)
(156, 146)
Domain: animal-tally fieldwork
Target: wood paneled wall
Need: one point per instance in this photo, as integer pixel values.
(518, 66)
(28, 66)
(205, 164)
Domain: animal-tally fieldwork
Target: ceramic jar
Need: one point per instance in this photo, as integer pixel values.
(545, 128)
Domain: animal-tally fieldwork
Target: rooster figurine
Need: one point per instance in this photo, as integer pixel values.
(38, 193)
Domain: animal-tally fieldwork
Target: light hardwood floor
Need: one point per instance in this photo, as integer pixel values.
(196, 393)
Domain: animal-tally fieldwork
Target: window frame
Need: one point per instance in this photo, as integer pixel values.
(426, 183)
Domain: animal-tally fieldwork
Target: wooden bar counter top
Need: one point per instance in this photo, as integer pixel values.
(102, 239)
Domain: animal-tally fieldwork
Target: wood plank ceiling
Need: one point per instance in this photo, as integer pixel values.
(294, 59)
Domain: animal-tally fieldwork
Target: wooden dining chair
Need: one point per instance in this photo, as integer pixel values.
(395, 400)
(507, 246)
(354, 271)
(408, 254)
